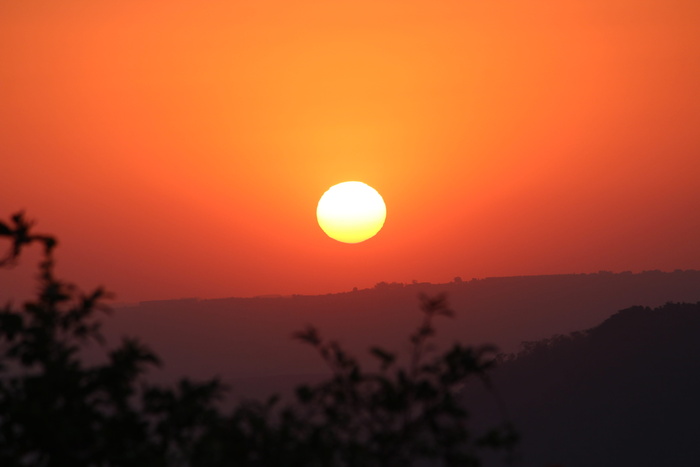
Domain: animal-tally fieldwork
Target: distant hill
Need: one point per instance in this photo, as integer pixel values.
(624, 393)
(247, 340)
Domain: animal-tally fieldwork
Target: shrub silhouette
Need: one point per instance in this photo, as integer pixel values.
(57, 410)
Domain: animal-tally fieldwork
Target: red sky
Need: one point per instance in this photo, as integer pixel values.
(179, 148)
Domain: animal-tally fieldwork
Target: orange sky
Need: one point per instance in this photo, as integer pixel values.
(179, 148)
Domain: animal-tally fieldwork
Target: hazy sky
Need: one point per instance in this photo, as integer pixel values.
(179, 148)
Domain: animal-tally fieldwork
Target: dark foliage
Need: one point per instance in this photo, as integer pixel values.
(57, 410)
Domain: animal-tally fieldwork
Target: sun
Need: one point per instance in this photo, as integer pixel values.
(351, 212)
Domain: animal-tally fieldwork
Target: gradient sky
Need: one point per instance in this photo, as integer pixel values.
(179, 148)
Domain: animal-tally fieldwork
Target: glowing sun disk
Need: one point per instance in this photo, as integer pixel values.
(351, 212)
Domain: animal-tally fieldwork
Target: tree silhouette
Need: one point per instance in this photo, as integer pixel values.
(57, 410)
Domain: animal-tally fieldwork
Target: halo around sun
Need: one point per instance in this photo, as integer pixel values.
(351, 212)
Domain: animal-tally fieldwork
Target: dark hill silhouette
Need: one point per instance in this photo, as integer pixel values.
(624, 393)
(246, 340)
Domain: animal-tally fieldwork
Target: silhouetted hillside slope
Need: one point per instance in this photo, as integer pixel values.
(625, 393)
(246, 340)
